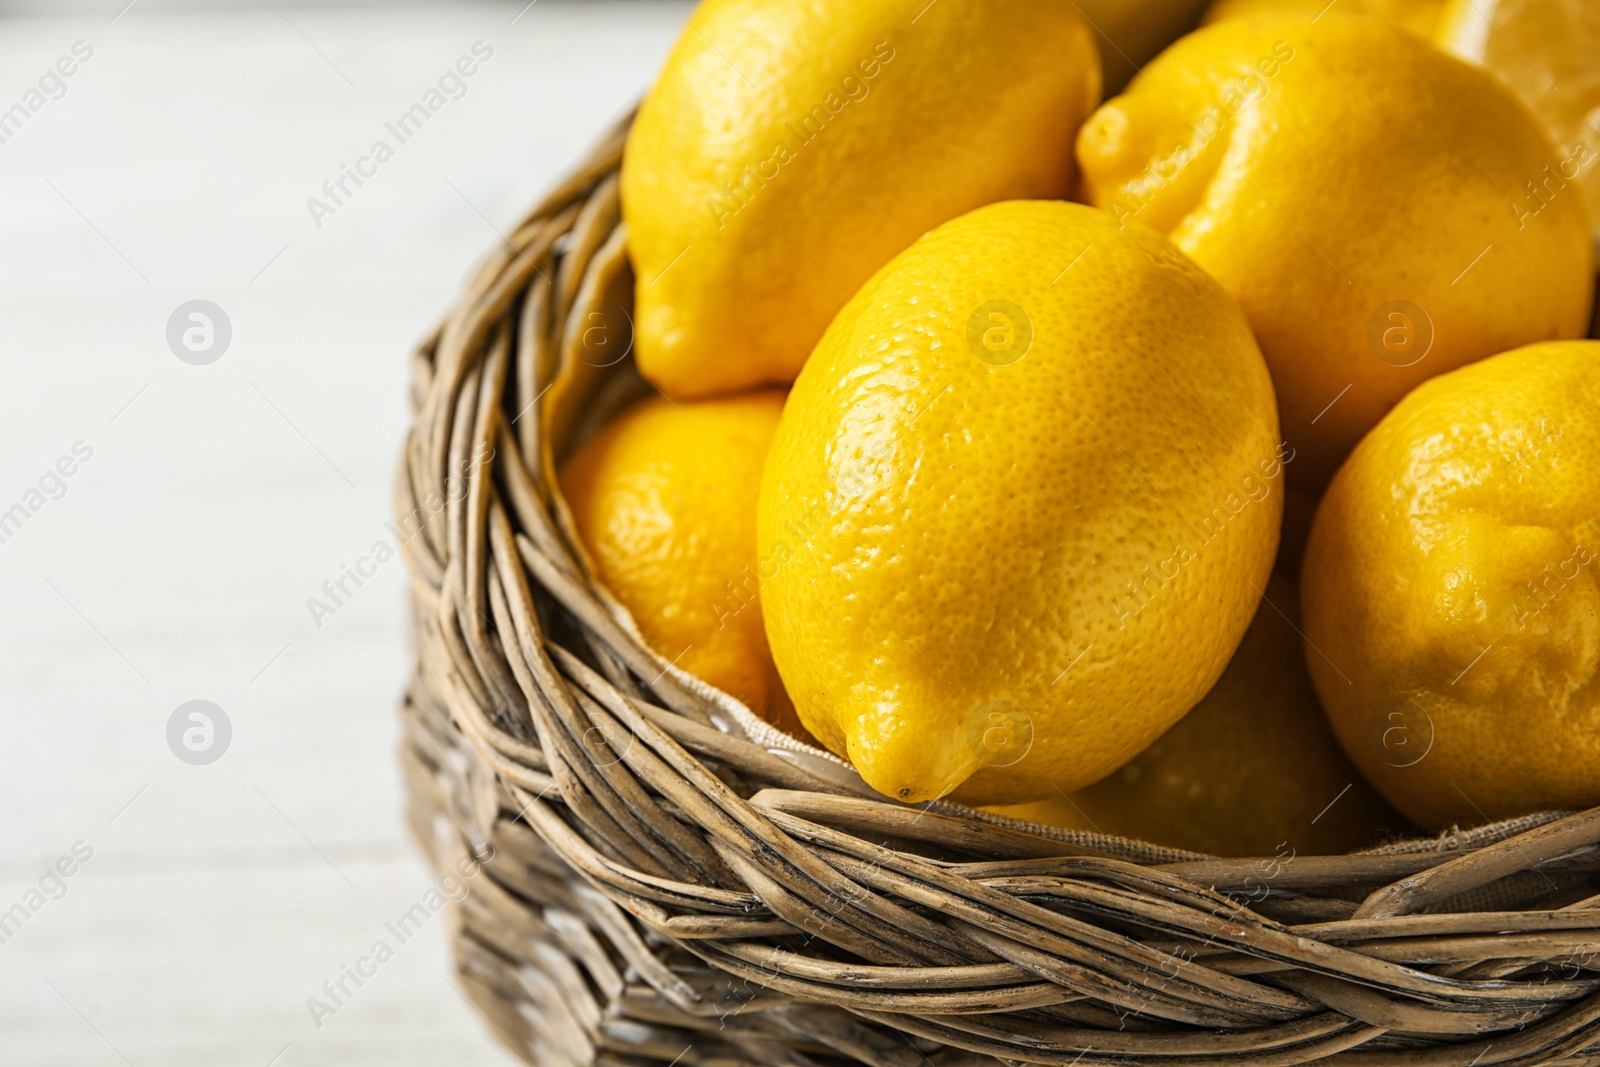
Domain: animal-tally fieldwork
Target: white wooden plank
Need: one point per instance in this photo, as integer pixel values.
(178, 561)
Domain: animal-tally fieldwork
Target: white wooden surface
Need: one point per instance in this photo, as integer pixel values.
(219, 498)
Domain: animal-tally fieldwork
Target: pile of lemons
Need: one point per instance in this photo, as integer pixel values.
(1217, 463)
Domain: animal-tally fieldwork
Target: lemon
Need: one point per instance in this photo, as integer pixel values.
(1019, 505)
(1420, 17)
(1355, 189)
(1548, 52)
(788, 150)
(1252, 770)
(1451, 608)
(664, 500)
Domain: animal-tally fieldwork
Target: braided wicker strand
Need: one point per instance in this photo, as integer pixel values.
(666, 881)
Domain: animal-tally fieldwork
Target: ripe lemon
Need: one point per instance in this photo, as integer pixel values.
(1252, 770)
(1353, 187)
(1420, 17)
(1018, 509)
(664, 499)
(1451, 606)
(788, 150)
(1548, 52)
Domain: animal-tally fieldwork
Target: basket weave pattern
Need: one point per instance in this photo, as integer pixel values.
(671, 883)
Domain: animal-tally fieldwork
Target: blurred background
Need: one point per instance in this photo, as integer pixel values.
(175, 491)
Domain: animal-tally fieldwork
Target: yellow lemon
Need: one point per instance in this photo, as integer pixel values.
(1252, 770)
(1548, 52)
(788, 150)
(1019, 506)
(664, 499)
(1420, 17)
(1356, 189)
(1451, 607)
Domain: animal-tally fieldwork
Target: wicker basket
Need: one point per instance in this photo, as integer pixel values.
(671, 881)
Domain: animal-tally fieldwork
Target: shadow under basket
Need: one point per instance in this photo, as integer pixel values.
(664, 879)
